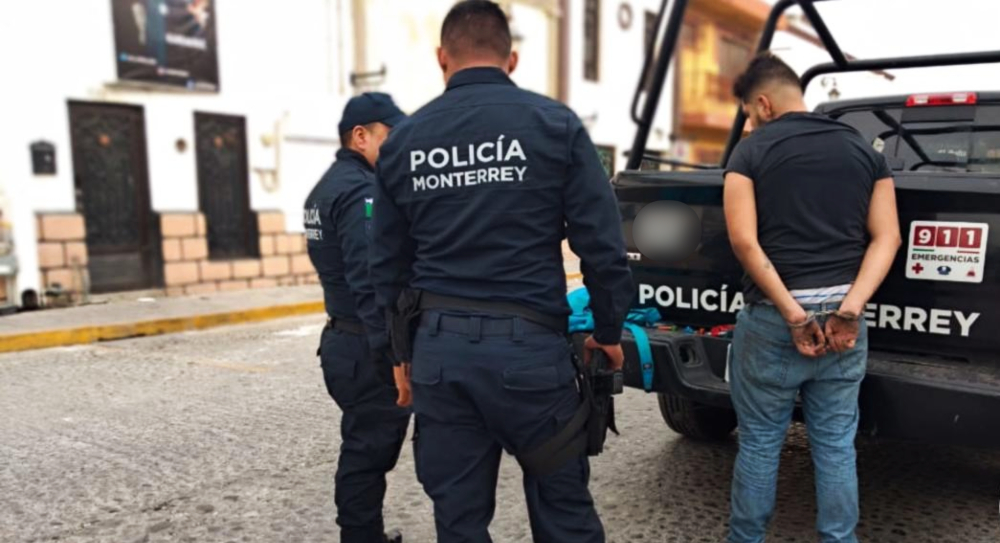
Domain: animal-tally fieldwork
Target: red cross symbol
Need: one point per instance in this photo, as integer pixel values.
(917, 268)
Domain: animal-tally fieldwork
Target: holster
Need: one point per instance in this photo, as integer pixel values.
(603, 384)
(402, 322)
(587, 430)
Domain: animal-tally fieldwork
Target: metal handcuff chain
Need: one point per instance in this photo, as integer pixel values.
(811, 317)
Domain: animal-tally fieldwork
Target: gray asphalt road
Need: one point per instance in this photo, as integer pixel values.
(228, 435)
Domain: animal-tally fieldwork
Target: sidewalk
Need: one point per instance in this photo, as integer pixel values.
(124, 315)
(124, 318)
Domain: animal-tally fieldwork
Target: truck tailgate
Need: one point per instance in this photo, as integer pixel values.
(942, 310)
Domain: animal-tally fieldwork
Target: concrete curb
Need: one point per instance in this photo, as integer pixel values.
(90, 334)
(45, 339)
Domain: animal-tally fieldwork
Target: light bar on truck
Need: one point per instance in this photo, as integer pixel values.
(948, 99)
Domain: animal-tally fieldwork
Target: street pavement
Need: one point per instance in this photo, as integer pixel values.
(227, 435)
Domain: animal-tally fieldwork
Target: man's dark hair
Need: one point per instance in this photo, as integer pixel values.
(476, 26)
(764, 68)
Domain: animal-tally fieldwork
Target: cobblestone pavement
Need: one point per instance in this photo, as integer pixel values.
(228, 435)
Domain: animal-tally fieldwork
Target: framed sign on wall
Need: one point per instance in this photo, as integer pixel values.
(167, 42)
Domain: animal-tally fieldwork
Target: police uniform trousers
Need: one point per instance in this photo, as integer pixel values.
(373, 429)
(484, 384)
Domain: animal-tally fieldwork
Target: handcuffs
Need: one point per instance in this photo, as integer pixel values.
(812, 315)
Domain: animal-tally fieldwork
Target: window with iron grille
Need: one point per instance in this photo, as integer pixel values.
(223, 185)
(591, 40)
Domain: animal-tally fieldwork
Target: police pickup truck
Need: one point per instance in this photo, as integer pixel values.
(934, 365)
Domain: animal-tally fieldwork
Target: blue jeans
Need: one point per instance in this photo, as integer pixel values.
(766, 374)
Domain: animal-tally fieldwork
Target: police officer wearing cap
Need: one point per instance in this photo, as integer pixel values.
(353, 350)
(475, 193)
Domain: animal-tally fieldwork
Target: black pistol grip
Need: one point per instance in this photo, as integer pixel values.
(599, 361)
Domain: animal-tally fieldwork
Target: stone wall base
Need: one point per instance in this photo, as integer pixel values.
(62, 253)
(188, 268)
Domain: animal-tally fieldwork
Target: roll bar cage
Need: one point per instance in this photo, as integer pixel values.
(840, 63)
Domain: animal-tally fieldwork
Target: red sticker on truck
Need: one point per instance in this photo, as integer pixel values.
(947, 251)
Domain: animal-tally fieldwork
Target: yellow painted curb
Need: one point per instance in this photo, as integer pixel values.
(91, 334)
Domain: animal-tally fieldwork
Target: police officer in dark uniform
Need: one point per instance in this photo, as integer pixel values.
(475, 193)
(354, 346)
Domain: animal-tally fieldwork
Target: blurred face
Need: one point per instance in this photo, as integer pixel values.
(368, 140)
(667, 231)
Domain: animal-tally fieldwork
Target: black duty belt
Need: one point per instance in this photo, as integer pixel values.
(430, 300)
(582, 431)
(351, 327)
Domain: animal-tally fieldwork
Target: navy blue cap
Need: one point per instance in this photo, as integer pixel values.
(370, 107)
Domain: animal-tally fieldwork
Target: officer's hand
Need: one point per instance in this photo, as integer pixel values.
(842, 331)
(401, 374)
(615, 354)
(808, 338)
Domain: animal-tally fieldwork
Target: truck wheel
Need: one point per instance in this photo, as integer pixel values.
(695, 420)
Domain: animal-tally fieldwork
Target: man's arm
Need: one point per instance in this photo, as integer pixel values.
(883, 228)
(392, 251)
(741, 221)
(350, 217)
(390, 260)
(740, 206)
(594, 230)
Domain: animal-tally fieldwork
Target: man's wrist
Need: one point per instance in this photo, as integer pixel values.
(794, 314)
(852, 307)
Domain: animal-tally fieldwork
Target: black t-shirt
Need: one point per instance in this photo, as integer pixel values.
(813, 179)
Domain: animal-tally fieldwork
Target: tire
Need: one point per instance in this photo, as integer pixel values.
(696, 421)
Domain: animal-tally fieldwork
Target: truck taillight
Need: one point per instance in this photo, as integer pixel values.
(951, 99)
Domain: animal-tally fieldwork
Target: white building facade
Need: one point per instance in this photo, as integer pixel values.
(193, 183)
(197, 189)
(157, 185)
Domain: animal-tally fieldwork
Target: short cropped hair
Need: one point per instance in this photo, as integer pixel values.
(764, 68)
(476, 26)
(347, 138)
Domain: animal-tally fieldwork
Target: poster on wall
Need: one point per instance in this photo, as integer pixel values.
(167, 42)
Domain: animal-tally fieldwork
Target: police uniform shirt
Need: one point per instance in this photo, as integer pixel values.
(338, 228)
(475, 193)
